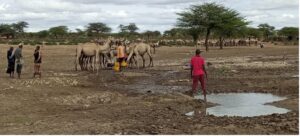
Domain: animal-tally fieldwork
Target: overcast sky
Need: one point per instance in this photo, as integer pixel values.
(147, 14)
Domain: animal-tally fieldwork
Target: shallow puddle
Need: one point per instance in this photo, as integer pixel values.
(242, 104)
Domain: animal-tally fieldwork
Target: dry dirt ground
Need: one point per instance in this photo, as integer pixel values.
(150, 100)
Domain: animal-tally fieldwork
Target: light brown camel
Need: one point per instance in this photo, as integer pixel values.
(139, 50)
(105, 50)
(88, 50)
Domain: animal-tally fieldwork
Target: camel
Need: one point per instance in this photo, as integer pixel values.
(105, 51)
(155, 45)
(88, 50)
(139, 49)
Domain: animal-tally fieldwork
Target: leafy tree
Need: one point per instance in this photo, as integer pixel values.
(253, 32)
(7, 31)
(149, 34)
(123, 28)
(132, 28)
(209, 17)
(42, 34)
(290, 32)
(80, 32)
(230, 26)
(176, 32)
(58, 31)
(267, 30)
(19, 26)
(98, 28)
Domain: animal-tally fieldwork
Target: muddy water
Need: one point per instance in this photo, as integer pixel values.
(242, 104)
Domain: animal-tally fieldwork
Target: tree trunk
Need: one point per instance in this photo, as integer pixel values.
(195, 39)
(221, 42)
(195, 42)
(206, 38)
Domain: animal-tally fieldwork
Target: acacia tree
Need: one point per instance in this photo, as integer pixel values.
(43, 34)
(231, 25)
(123, 28)
(149, 34)
(132, 28)
(7, 31)
(267, 30)
(19, 27)
(97, 28)
(290, 32)
(58, 31)
(209, 17)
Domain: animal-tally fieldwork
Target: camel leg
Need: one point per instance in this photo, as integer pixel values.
(143, 60)
(138, 58)
(77, 57)
(105, 58)
(90, 62)
(81, 61)
(84, 62)
(151, 59)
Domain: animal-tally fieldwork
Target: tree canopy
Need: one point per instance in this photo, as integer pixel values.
(58, 31)
(97, 28)
(210, 17)
(267, 30)
(290, 32)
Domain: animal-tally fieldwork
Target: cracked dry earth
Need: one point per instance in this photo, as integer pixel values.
(150, 100)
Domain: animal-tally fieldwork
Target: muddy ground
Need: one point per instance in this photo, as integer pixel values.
(150, 100)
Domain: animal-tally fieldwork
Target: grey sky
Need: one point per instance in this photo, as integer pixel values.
(147, 14)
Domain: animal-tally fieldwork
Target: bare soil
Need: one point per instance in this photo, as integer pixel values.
(148, 100)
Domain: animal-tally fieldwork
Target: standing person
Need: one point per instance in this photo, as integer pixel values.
(11, 62)
(197, 73)
(120, 53)
(19, 59)
(37, 61)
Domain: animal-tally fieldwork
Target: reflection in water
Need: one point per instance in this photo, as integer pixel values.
(242, 104)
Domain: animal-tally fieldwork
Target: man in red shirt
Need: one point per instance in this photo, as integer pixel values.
(197, 72)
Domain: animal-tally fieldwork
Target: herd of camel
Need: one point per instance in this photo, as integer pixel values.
(213, 42)
(99, 54)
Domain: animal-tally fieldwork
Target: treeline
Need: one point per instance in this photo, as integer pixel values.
(14, 33)
(205, 21)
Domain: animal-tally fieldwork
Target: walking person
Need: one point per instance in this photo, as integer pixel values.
(198, 72)
(19, 59)
(11, 62)
(37, 62)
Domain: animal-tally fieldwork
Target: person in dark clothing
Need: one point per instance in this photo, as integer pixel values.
(11, 62)
(37, 62)
(19, 59)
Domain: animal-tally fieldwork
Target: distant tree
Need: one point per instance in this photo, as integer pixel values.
(176, 32)
(132, 28)
(42, 34)
(149, 34)
(209, 17)
(80, 32)
(58, 31)
(7, 31)
(290, 32)
(98, 28)
(123, 28)
(20, 26)
(267, 30)
(253, 32)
